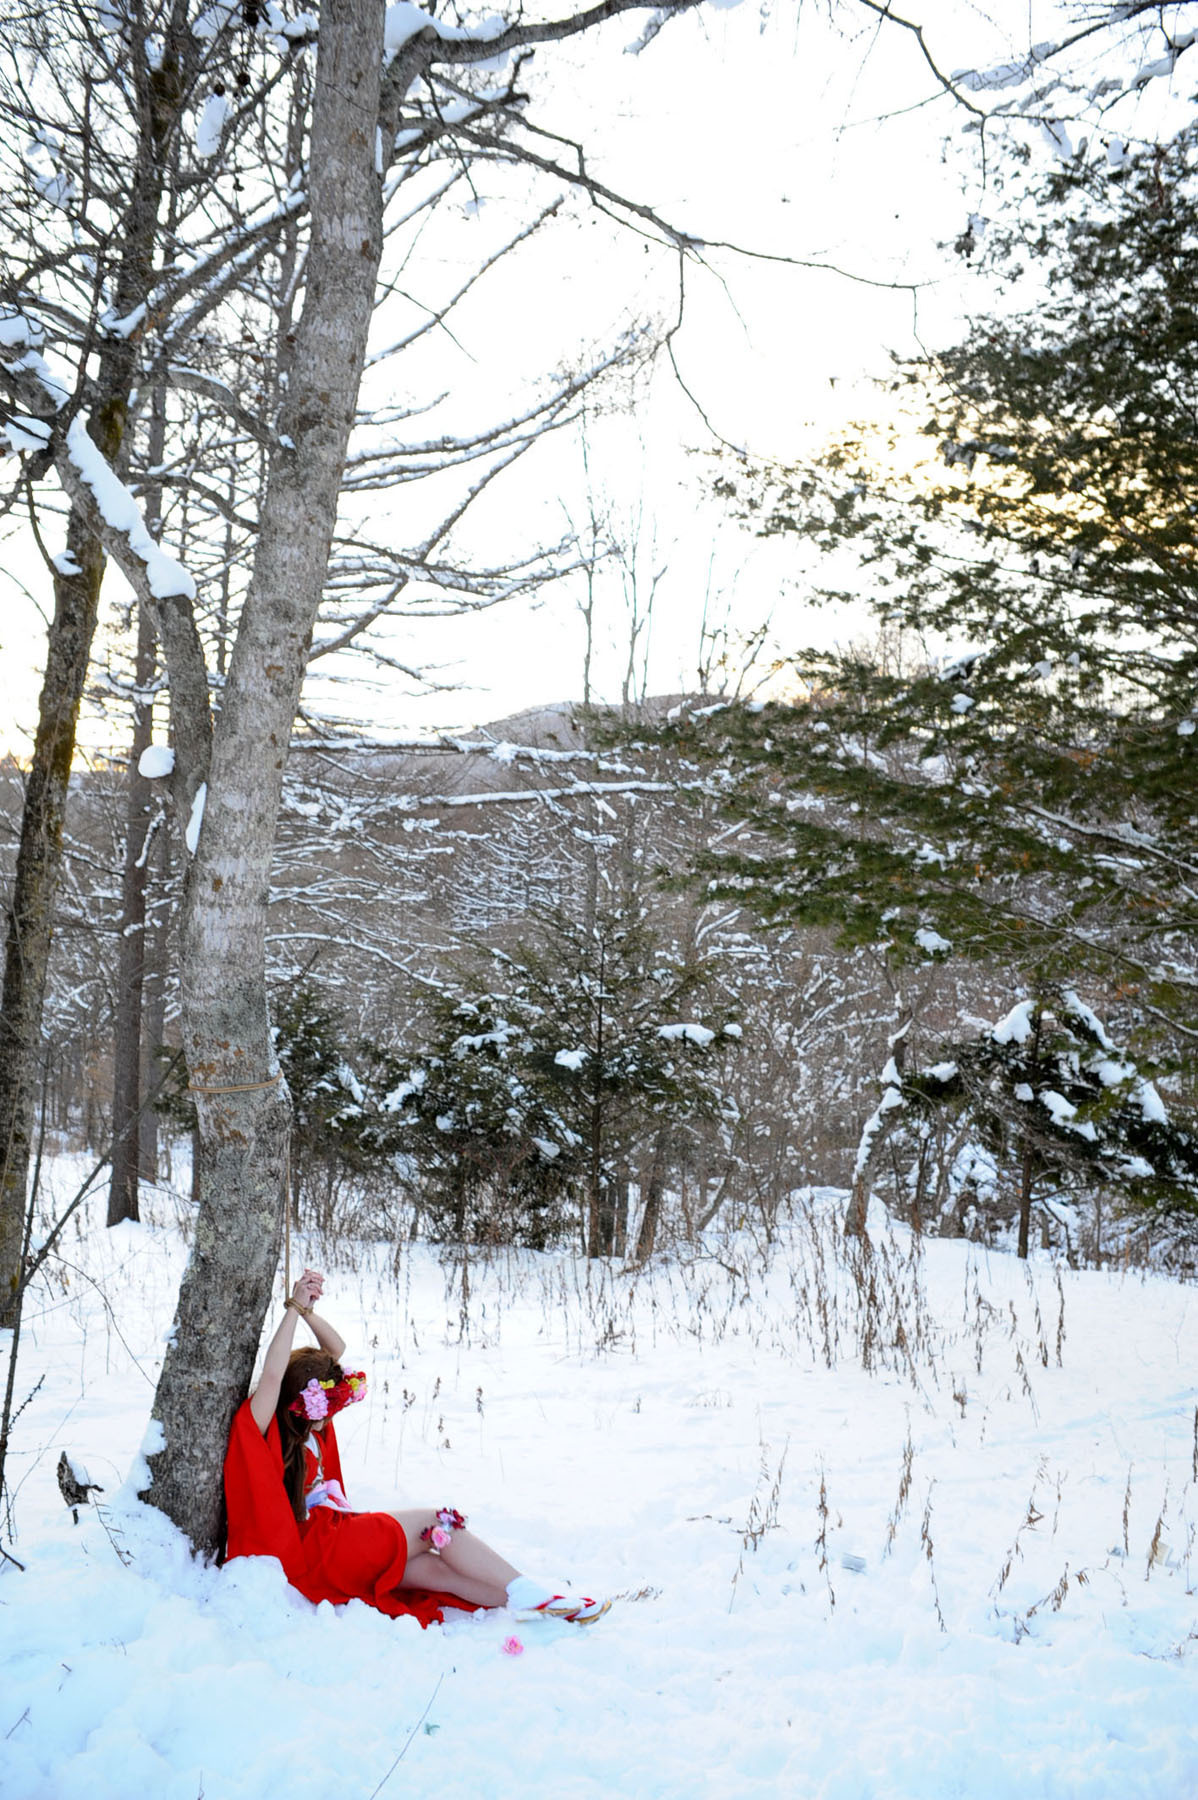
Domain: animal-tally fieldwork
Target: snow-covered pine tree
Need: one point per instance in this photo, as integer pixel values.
(1042, 1109)
(548, 1077)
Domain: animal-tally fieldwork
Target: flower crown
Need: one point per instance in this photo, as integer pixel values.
(320, 1399)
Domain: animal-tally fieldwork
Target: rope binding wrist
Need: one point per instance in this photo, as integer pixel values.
(304, 1311)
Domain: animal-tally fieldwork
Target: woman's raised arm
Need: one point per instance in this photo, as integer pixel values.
(266, 1395)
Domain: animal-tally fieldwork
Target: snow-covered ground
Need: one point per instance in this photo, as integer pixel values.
(934, 1545)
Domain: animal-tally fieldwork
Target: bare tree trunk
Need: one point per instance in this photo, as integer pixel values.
(135, 876)
(595, 1203)
(1027, 1164)
(154, 984)
(876, 1132)
(35, 882)
(1025, 1200)
(126, 1055)
(243, 1108)
(654, 1190)
(619, 1240)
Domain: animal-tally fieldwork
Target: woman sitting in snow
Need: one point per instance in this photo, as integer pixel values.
(285, 1499)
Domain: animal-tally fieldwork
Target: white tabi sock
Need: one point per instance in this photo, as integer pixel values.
(524, 1593)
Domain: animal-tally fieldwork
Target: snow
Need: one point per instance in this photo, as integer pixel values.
(122, 513)
(1005, 75)
(691, 1439)
(25, 433)
(19, 331)
(931, 941)
(349, 1081)
(17, 328)
(1016, 1028)
(155, 761)
(1163, 66)
(1088, 1017)
(404, 20)
(1061, 1109)
(962, 703)
(215, 18)
(211, 123)
(304, 25)
(690, 1033)
(393, 1101)
(1057, 139)
(191, 836)
(570, 1059)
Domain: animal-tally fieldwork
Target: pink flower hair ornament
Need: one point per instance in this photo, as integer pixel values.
(321, 1399)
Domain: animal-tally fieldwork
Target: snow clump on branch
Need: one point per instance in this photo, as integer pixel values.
(120, 510)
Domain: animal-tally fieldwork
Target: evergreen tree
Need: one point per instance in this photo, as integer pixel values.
(1029, 800)
(547, 1069)
(1042, 1108)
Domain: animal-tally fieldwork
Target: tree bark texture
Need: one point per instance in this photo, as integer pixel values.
(155, 972)
(1026, 1182)
(1027, 1162)
(127, 1088)
(131, 953)
(243, 1124)
(35, 883)
(655, 1186)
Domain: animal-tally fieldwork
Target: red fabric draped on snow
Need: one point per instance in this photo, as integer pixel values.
(333, 1556)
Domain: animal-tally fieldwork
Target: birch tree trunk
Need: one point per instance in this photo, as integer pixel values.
(243, 1108)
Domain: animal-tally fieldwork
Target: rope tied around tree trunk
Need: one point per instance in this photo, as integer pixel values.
(244, 1087)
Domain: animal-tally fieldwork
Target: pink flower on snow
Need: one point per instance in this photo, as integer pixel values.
(512, 1647)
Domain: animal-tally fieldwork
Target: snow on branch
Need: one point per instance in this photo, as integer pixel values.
(210, 278)
(576, 790)
(483, 43)
(34, 383)
(1005, 75)
(121, 514)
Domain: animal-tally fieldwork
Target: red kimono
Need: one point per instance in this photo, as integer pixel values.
(333, 1555)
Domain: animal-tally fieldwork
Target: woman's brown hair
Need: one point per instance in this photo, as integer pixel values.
(294, 1428)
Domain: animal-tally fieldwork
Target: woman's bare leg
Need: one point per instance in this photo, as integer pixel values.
(466, 1566)
(430, 1570)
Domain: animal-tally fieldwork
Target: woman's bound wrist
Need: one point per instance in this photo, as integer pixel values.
(297, 1306)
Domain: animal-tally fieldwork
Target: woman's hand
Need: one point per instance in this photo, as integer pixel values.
(308, 1288)
(305, 1294)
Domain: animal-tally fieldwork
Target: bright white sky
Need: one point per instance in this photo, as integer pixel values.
(785, 130)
